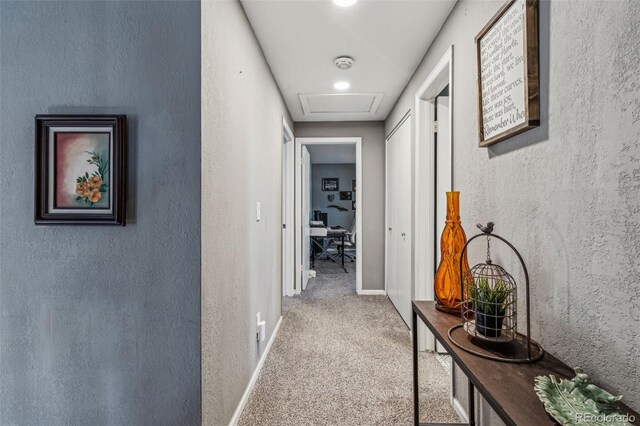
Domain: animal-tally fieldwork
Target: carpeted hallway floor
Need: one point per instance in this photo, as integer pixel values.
(343, 359)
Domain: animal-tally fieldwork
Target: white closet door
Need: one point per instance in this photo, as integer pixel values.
(403, 214)
(399, 206)
(391, 241)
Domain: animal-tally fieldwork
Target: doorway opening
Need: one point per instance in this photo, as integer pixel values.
(333, 233)
(433, 177)
(434, 149)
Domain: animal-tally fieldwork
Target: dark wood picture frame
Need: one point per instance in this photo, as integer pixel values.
(346, 195)
(328, 184)
(44, 125)
(531, 72)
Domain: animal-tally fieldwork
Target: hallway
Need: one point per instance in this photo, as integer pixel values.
(340, 358)
(167, 168)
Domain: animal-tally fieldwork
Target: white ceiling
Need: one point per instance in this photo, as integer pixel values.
(332, 154)
(387, 39)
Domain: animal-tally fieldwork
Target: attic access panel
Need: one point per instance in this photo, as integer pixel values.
(340, 103)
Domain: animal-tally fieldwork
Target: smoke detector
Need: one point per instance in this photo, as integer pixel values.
(343, 62)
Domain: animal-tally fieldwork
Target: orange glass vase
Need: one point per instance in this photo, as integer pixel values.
(447, 281)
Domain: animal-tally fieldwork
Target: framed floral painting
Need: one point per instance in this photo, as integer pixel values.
(80, 169)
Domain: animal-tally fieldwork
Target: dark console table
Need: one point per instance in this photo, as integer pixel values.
(507, 387)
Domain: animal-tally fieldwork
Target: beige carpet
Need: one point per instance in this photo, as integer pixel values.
(344, 359)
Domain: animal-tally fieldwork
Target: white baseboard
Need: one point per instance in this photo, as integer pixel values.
(372, 293)
(254, 377)
(458, 408)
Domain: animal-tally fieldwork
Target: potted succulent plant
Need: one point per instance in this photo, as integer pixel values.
(489, 304)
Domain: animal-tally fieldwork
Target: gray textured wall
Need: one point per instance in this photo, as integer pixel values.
(242, 114)
(100, 325)
(373, 148)
(567, 194)
(319, 201)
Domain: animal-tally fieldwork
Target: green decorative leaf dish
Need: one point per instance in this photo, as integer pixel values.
(579, 402)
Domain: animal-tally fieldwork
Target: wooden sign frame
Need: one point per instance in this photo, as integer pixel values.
(531, 73)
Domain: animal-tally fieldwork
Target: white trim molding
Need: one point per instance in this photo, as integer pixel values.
(372, 293)
(455, 403)
(459, 409)
(288, 217)
(357, 141)
(288, 134)
(254, 377)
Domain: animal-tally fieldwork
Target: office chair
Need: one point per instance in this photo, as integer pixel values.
(349, 243)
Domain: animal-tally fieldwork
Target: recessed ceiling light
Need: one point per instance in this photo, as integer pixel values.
(345, 3)
(341, 85)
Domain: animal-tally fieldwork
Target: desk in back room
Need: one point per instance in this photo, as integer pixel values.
(321, 237)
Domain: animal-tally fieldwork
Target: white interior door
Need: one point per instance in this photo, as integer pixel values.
(391, 249)
(443, 182)
(399, 208)
(306, 215)
(403, 214)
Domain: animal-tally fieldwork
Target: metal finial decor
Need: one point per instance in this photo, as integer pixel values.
(489, 315)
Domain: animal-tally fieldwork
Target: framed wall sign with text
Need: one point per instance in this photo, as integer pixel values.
(508, 80)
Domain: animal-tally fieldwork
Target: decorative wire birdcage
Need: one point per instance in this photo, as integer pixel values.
(489, 302)
(490, 310)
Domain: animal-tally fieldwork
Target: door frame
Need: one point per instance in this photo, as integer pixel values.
(288, 217)
(299, 142)
(306, 191)
(424, 198)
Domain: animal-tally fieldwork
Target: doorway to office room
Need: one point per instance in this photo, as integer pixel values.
(328, 220)
(333, 209)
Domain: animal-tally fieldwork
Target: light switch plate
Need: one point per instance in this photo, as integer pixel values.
(260, 328)
(258, 211)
